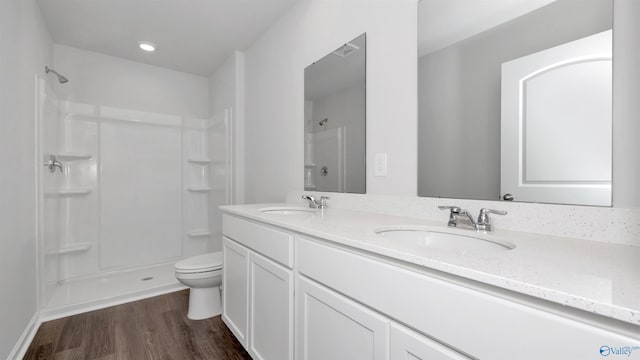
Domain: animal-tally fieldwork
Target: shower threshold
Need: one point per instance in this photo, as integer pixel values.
(100, 291)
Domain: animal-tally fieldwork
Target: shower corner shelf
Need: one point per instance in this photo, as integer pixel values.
(199, 233)
(67, 156)
(200, 189)
(198, 161)
(70, 249)
(69, 192)
(309, 165)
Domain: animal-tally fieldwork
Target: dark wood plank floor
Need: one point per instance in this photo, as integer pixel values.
(155, 328)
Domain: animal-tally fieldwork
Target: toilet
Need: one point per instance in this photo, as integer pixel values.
(203, 275)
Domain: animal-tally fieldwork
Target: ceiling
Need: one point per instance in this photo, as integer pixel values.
(445, 22)
(193, 36)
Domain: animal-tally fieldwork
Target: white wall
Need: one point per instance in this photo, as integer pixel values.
(227, 90)
(106, 80)
(275, 92)
(222, 85)
(26, 48)
(626, 107)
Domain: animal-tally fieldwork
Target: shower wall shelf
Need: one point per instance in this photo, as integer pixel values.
(69, 192)
(72, 156)
(199, 233)
(71, 249)
(200, 161)
(198, 189)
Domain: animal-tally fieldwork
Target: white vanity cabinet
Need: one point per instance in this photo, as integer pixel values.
(270, 310)
(406, 344)
(258, 288)
(330, 326)
(468, 320)
(235, 289)
(353, 304)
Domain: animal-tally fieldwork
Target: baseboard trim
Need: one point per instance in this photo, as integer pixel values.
(21, 347)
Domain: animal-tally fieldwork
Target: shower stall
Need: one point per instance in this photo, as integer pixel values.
(123, 195)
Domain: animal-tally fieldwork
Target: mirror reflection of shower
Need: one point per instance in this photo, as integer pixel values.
(61, 78)
(335, 120)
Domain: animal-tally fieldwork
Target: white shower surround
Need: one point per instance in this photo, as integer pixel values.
(153, 150)
(102, 223)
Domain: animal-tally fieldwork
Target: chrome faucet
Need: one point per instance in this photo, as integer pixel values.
(316, 203)
(53, 163)
(483, 223)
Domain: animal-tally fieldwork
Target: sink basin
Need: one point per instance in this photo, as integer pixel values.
(443, 240)
(288, 210)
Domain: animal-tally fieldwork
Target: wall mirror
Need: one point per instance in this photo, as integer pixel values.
(335, 120)
(515, 100)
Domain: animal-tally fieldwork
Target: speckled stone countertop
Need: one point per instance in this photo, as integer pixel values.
(592, 276)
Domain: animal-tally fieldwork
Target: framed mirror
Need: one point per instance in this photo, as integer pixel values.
(515, 100)
(335, 120)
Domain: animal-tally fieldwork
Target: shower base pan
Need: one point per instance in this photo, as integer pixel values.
(96, 292)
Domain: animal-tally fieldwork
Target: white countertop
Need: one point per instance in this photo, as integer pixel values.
(593, 276)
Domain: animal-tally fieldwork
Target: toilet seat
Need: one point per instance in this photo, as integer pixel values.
(200, 264)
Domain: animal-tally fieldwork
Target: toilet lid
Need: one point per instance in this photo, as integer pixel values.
(209, 261)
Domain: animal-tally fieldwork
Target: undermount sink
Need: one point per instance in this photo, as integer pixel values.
(442, 240)
(288, 210)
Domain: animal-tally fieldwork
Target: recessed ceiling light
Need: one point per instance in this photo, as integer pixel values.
(147, 46)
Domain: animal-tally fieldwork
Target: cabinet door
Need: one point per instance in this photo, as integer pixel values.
(330, 326)
(270, 310)
(235, 287)
(406, 344)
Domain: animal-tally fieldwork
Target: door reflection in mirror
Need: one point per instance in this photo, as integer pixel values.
(461, 131)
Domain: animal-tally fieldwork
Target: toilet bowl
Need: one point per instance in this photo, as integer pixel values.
(203, 275)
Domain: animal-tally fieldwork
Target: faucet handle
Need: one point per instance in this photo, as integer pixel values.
(452, 214)
(492, 211)
(323, 201)
(483, 218)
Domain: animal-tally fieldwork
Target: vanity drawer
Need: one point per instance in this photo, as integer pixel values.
(474, 322)
(264, 239)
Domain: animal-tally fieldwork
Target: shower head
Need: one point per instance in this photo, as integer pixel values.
(61, 78)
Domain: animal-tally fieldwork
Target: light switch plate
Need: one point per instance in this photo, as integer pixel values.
(380, 168)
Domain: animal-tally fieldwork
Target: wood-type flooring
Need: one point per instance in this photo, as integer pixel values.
(149, 329)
